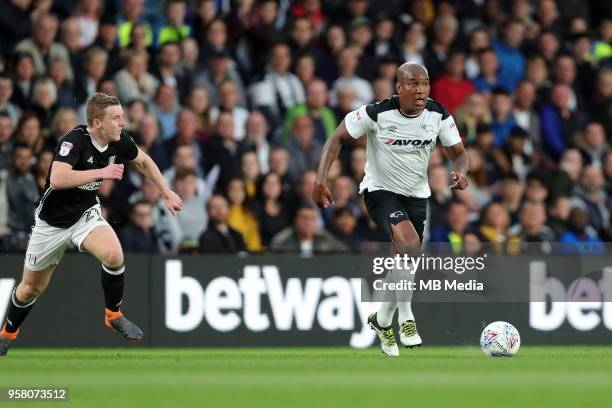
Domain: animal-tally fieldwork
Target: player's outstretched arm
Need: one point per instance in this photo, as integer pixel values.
(63, 176)
(321, 194)
(149, 169)
(460, 166)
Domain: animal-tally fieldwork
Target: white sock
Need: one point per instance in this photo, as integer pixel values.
(384, 317)
(404, 297)
(404, 312)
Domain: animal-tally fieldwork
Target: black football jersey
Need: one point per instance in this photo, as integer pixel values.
(63, 208)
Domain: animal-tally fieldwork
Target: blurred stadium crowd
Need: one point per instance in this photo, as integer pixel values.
(234, 100)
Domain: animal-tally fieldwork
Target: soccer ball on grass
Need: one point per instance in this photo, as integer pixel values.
(500, 339)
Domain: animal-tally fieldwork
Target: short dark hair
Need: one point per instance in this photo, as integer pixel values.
(278, 44)
(341, 211)
(168, 2)
(4, 75)
(20, 145)
(518, 131)
(455, 52)
(500, 90)
(108, 19)
(483, 128)
(141, 201)
(511, 177)
(538, 177)
(216, 195)
(485, 50)
(304, 206)
(139, 100)
(389, 58)
(511, 21)
(301, 18)
(564, 55)
(579, 36)
(184, 172)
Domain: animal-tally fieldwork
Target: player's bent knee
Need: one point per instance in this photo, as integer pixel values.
(112, 258)
(28, 292)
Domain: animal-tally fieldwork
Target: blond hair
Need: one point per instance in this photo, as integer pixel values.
(96, 105)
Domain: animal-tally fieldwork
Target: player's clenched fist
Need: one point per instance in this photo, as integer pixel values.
(460, 181)
(173, 202)
(112, 172)
(322, 196)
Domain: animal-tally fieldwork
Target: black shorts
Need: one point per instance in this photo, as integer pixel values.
(386, 208)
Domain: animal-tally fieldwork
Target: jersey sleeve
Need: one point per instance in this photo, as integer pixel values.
(449, 135)
(359, 123)
(69, 149)
(127, 148)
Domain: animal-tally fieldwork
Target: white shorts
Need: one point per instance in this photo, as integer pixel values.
(47, 243)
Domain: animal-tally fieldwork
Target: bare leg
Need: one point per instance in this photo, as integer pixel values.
(102, 242)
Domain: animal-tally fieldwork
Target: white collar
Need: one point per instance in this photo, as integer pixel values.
(95, 144)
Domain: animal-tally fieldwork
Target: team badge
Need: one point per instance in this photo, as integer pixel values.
(65, 148)
(111, 160)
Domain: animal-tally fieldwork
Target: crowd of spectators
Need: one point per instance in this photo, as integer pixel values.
(235, 99)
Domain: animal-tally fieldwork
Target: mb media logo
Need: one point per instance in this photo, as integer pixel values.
(415, 143)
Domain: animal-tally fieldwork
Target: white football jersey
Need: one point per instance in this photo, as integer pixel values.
(399, 146)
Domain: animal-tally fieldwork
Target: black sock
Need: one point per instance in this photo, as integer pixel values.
(112, 283)
(16, 313)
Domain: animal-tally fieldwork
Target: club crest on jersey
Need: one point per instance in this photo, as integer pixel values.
(65, 148)
(111, 160)
(396, 214)
(415, 143)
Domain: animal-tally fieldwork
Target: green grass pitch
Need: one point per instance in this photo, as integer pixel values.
(316, 377)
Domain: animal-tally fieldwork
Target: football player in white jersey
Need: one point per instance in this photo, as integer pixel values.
(401, 134)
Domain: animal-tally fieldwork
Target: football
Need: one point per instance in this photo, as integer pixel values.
(500, 339)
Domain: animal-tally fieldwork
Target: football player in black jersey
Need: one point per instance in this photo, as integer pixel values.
(69, 212)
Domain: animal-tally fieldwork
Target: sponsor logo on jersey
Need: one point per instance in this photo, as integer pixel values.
(415, 143)
(396, 214)
(90, 160)
(65, 148)
(94, 185)
(392, 128)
